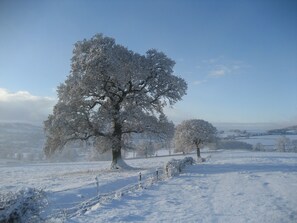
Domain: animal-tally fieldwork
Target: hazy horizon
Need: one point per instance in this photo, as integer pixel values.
(218, 125)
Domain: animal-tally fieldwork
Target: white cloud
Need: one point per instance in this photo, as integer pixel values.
(211, 61)
(221, 66)
(199, 82)
(236, 67)
(22, 106)
(219, 72)
(225, 69)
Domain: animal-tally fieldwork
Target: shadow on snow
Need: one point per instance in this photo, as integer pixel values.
(229, 168)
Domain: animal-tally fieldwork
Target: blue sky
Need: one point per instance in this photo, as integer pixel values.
(239, 57)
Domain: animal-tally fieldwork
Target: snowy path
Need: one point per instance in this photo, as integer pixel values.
(232, 187)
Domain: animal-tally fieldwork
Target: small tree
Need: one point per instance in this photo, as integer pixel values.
(110, 93)
(259, 147)
(168, 132)
(192, 134)
(294, 146)
(146, 149)
(282, 144)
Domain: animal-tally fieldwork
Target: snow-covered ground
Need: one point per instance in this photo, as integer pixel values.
(232, 186)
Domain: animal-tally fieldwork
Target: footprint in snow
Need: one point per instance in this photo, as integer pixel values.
(238, 194)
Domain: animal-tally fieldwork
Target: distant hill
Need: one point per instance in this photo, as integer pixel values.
(20, 138)
(292, 130)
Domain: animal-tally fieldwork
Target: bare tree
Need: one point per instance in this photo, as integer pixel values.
(111, 92)
(259, 147)
(282, 144)
(294, 145)
(192, 134)
(168, 129)
(285, 144)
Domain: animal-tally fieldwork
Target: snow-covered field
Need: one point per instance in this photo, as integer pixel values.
(269, 141)
(232, 186)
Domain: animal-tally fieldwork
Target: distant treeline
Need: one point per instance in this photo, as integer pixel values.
(284, 131)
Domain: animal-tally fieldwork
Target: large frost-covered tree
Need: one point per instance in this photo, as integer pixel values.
(111, 92)
(194, 133)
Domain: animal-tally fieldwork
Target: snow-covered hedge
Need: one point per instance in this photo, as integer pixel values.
(22, 206)
(174, 167)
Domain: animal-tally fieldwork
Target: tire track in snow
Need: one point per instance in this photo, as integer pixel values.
(278, 202)
(208, 186)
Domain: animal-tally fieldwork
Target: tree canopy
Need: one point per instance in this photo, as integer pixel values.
(194, 133)
(111, 92)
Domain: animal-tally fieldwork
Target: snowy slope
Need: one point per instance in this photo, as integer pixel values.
(233, 186)
(20, 142)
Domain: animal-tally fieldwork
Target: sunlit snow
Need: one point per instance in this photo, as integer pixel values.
(232, 186)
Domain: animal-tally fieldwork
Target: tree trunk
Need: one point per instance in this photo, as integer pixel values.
(117, 161)
(116, 155)
(116, 138)
(116, 146)
(197, 143)
(198, 152)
